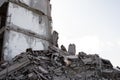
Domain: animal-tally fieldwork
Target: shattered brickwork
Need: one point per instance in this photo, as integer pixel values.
(55, 64)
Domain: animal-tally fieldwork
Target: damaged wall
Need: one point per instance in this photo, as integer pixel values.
(3, 17)
(25, 27)
(40, 5)
(29, 20)
(17, 42)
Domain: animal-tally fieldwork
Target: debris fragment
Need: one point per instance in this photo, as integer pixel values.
(55, 38)
(72, 49)
(63, 48)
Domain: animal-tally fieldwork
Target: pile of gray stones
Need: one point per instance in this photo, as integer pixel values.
(58, 64)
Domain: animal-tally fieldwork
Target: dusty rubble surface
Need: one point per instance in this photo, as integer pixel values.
(50, 64)
(56, 64)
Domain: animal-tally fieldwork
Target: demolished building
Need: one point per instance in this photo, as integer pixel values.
(29, 48)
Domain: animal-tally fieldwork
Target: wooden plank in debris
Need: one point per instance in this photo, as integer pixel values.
(14, 67)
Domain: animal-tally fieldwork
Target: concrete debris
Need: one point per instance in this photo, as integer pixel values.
(63, 48)
(118, 67)
(53, 64)
(72, 49)
(55, 38)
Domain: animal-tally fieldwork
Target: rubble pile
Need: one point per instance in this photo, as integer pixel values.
(51, 63)
(57, 64)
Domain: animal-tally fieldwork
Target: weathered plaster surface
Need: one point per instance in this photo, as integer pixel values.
(16, 42)
(28, 20)
(41, 5)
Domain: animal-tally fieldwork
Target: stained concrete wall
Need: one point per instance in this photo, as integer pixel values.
(24, 22)
(27, 19)
(16, 43)
(41, 5)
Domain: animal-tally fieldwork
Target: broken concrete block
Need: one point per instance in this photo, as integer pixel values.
(4, 65)
(32, 76)
(55, 38)
(72, 49)
(63, 48)
(42, 70)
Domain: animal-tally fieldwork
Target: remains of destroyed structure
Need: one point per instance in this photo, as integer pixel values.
(29, 49)
(24, 24)
(72, 49)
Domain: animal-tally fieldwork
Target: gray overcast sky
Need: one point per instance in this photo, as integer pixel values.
(93, 25)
